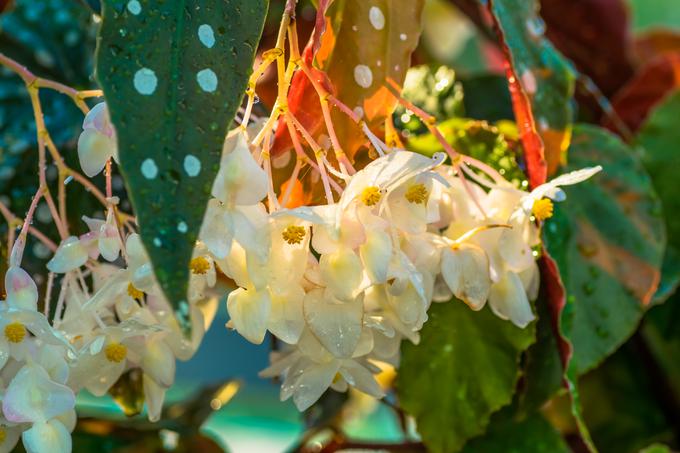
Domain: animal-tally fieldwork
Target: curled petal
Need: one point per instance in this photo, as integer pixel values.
(336, 324)
(240, 180)
(466, 272)
(508, 300)
(342, 273)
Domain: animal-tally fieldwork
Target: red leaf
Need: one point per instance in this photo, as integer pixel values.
(555, 294)
(599, 45)
(650, 85)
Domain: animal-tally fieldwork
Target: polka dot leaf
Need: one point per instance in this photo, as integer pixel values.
(358, 71)
(173, 75)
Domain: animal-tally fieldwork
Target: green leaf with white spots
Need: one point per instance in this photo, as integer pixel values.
(608, 240)
(464, 369)
(173, 75)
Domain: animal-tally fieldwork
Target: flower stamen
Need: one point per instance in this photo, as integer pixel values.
(417, 194)
(293, 234)
(199, 265)
(115, 352)
(370, 196)
(15, 332)
(542, 209)
(134, 292)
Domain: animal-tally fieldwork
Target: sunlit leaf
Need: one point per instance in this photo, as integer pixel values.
(464, 369)
(173, 75)
(607, 239)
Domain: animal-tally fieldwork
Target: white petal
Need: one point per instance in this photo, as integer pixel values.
(240, 180)
(342, 273)
(376, 254)
(12, 435)
(47, 437)
(154, 395)
(218, 230)
(466, 272)
(31, 396)
(94, 149)
(70, 255)
(286, 319)
(360, 378)
(158, 361)
(550, 189)
(109, 243)
(336, 324)
(22, 291)
(313, 382)
(249, 311)
(509, 301)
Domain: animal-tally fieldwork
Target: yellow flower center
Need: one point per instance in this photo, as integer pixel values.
(15, 332)
(337, 378)
(370, 196)
(293, 234)
(542, 209)
(3, 434)
(115, 352)
(416, 194)
(199, 265)
(134, 292)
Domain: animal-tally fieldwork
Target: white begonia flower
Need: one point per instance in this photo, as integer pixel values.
(103, 237)
(70, 255)
(465, 269)
(15, 325)
(47, 436)
(240, 180)
(32, 397)
(311, 370)
(249, 311)
(97, 143)
(22, 292)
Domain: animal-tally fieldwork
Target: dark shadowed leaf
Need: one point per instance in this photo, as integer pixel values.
(464, 369)
(659, 136)
(595, 35)
(531, 435)
(173, 74)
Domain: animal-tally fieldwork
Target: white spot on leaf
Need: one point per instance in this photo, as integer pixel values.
(207, 80)
(192, 165)
(206, 35)
(157, 242)
(363, 75)
(376, 17)
(182, 227)
(134, 7)
(403, 36)
(145, 81)
(149, 169)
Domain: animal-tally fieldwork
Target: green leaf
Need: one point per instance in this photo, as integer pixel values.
(656, 448)
(659, 137)
(531, 435)
(542, 373)
(608, 239)
(544, 74)
(464, 369)
(620, 404)
(173, 74)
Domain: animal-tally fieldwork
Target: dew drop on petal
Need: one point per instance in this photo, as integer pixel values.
(192, 165)
(363, 75)
(376, 17)
(145, 81)
(149, 169)
(206, 35)
(207, 80)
